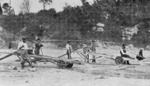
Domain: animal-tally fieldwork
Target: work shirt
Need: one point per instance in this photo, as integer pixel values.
(22, 45)
(68, 47)
(122, 51)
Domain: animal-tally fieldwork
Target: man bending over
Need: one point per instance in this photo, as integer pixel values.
(23, 54)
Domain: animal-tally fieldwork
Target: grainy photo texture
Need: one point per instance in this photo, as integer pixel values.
(74, 42)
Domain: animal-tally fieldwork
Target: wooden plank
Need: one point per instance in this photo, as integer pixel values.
(53, 59)
(10, 54)
(81, 55)
(42, 56)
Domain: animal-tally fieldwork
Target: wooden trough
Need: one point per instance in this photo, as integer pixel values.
(61, 63)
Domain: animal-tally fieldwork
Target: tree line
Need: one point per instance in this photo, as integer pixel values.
(77, 22)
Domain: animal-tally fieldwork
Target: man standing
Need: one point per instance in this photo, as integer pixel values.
(93, 49)
(93, 46)
(22, 53)
(38, 46)
(69, 49)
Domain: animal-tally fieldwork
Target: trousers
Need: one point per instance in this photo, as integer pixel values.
(23, 55)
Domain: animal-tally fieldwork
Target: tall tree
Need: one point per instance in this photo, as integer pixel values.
(1, 11)
(45, 2)
(25, 7)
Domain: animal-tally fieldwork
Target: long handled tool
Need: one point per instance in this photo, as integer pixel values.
(6, 56)
(9, 54)
(41, 51)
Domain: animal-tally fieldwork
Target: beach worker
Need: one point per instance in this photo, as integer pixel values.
(22, 53)
(38, 46)
(69, 49)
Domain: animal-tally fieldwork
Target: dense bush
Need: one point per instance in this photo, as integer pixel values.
(75, 23)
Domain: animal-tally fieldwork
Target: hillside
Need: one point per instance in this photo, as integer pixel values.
(77, 23)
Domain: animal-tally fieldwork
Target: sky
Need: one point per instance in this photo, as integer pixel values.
(36, 6)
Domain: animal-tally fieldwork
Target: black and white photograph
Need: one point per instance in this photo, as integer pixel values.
(74, 42)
